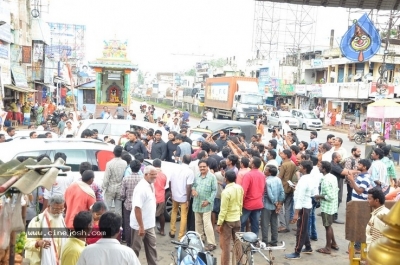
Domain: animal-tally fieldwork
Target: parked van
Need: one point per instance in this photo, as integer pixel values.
(307, 119)
(115, 128)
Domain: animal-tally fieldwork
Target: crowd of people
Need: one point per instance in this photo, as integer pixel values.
(224, 192)
(224, 186)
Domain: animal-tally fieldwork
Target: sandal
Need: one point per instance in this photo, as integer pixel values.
(323, 251)
(335, 247)
(161, 233)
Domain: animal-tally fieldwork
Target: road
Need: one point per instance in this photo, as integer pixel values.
(164, 246)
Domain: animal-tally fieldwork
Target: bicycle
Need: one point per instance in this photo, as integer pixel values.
(246, 244)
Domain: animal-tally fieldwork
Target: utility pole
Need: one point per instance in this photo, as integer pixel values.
(381, 83)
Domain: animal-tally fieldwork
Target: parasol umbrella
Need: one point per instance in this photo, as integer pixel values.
(383, 109)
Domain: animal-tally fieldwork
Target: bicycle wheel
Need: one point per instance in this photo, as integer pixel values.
(238, 255)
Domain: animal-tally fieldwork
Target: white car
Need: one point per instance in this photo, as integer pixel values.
(24, 134)
(307, 119)
(115, 128)
(77, 151)
(277, 118)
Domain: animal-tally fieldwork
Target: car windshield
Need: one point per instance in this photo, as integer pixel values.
(252, 99)
(194, 135)
(309, 115)
(284, 114)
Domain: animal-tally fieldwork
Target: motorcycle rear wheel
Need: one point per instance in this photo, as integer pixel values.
(358, 139)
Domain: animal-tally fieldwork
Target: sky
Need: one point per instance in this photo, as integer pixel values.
(160, 31)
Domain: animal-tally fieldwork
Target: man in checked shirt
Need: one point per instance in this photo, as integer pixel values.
(128, 185)
(204, 190)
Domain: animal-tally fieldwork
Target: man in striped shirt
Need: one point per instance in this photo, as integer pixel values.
(362, 183)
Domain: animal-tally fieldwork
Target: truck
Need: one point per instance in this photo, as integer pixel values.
(237, 98)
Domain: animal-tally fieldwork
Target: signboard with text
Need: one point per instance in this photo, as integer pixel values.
(26, 54)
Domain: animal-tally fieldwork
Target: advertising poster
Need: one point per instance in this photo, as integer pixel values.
(264, 81)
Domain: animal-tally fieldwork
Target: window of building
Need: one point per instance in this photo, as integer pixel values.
(88, 96)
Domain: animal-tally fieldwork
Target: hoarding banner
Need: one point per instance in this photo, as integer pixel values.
(4, 50)
(263, 81)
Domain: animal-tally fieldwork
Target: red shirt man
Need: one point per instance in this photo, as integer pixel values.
(79, 197)
(253, 186)
(159, 187)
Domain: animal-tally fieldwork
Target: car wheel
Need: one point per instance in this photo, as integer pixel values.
(168, 207)
(304, 126)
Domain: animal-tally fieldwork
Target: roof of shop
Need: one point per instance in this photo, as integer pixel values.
(29, 180)
(363, 4)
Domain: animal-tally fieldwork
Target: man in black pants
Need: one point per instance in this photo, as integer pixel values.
(302, 205)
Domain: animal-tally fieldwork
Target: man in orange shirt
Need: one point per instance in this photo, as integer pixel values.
(159, 186)
(79, 197)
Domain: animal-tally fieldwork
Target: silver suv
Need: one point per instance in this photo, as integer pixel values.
(307, 119)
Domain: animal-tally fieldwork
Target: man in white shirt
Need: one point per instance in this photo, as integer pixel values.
(337, 148)
(286, 128)
(69, 131)
(326, 152)
(143, 216)
(209, 115)
(63, 181)
(302, 205)
(108, 250)
(174, 126)
(180, 185)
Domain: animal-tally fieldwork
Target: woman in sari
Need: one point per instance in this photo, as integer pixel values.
(39, 117)
(259, 125)
(333, 118)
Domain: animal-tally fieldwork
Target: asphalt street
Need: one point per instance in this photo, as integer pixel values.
(164, 246)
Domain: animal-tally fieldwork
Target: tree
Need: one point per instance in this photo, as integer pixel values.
(220, 62)
(140, 78)
(191, 72)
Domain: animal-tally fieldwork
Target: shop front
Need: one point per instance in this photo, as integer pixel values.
(16, 100)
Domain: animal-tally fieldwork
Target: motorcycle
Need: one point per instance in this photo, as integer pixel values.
(190, 250)
(185, 124)
(361, 137)
(55, 118)
(264, 119)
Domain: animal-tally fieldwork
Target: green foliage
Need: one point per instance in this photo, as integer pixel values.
(191, 72)
(140, 78)
(217, 62)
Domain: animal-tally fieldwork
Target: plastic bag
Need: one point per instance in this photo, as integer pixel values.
(5, 224)
(17, 221)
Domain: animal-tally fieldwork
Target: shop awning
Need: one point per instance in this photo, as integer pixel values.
(353, 101)
(21, 89)
(46, 85)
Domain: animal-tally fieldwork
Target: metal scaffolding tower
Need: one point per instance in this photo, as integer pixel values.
(282, 30)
